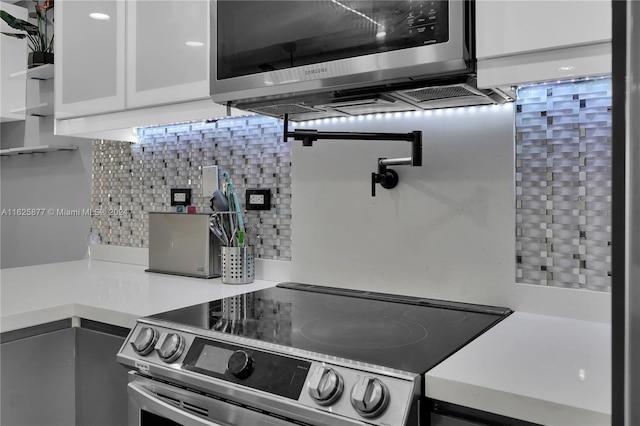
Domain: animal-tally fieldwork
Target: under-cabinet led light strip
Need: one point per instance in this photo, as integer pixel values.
(139, 130)
(572, 80)
(406, 114)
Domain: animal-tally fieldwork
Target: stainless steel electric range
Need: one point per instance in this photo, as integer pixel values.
(295, 354)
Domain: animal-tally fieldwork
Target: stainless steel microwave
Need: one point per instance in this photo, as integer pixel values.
(304, 56)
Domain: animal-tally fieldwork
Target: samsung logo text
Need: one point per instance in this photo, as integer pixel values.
(316, 71)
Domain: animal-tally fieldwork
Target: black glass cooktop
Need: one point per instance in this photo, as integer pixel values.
(401, 332)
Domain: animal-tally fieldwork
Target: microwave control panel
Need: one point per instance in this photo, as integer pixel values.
(428, 21)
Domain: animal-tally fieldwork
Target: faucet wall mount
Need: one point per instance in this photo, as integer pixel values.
(387, 178)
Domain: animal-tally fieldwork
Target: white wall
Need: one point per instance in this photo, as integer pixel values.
(57, 180)
(447, 231)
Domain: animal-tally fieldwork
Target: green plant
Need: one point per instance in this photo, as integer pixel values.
(38, 35)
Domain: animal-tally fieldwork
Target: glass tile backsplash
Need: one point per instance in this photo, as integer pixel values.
(562, 174)
(563, 185)
(131, 180)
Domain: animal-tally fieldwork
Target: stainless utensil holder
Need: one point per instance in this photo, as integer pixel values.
(238, 266)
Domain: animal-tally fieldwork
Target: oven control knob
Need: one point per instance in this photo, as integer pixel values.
(325, 385)
(369, 397)
(145, 341)
(240, 364)
(171, 348)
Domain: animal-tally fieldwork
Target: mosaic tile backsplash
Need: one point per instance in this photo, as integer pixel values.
(132, 180)
(563, 181)
(563, 185)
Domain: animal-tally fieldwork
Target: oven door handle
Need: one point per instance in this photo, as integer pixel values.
(149, 401)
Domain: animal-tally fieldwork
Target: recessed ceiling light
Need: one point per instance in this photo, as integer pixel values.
(194, 43)
(99, 16)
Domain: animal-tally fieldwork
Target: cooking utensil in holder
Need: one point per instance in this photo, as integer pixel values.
(238, 266)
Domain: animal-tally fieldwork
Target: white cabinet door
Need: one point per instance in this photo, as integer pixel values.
(538, 40)
(167, 51)
(512, 27)
(90, 57)
(14, 60)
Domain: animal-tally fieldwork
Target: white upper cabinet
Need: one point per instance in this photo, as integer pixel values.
(167, 51)
(90, 57)
(158, 50)
(146, 64)
(14, 63)
(522, 41)
(519, 26)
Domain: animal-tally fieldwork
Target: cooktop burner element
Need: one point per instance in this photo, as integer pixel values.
(344, 357)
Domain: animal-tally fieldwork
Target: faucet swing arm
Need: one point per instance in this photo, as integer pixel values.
(387, 178)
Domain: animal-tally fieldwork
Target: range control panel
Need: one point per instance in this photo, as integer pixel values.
(367, 395)
(276, 374)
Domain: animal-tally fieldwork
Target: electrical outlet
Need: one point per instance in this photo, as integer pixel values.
(258, 199)
(209, 180)
(180, 197)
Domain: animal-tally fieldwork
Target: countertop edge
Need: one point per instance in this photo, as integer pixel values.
(42, 316)
(511, 404)
(106, 316)
(36, 317)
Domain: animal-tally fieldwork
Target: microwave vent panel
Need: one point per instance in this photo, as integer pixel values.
(456, 95)
(430, 94)
(316, 115)
(280, 110)
(369, 106)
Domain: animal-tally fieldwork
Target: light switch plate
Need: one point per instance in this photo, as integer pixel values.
(209, 180)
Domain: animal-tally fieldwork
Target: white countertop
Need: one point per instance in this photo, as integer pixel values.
(109, 292)
(543, 369)
(547, 370)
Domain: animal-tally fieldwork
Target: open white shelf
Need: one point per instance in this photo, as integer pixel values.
(36, 149)
(46, 106)
(40, 110)
(43, 72)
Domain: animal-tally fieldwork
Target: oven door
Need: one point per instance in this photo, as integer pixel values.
(153, 403)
